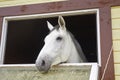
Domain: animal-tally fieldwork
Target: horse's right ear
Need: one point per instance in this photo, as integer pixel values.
(50, 26)
(61, 22)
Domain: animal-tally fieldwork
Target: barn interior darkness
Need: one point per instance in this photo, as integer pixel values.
(25, 38)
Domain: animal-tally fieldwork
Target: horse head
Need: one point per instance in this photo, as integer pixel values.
(58, 47)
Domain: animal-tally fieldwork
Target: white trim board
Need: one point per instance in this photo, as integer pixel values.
(46, 15)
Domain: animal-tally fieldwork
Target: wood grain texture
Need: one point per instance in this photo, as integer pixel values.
(115, 11)
(116, 23)
(116, 34)
(117, 57)
(55, 73)
(6, 3)
(117, 69)
(117, 77)
(116, 45)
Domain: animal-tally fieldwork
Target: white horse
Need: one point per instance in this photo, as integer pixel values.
(60, 46)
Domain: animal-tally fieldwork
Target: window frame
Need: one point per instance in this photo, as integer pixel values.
(35, 16)
(95, 66)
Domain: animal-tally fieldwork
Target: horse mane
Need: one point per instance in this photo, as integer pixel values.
(78, 47)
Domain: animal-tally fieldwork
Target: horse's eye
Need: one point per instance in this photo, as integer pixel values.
(59, 38)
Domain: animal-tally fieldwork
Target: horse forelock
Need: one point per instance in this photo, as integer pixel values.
(55, 28)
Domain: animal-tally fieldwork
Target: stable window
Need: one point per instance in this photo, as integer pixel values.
(22, 36)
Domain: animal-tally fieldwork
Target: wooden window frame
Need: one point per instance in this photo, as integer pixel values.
(95, 66)
(35, 16)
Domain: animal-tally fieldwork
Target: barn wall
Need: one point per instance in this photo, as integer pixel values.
(116, 39)
(6, 3)
(105, 21)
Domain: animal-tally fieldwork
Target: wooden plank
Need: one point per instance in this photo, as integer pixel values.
(116, 23)
(115, 11)
(116, 57)
(6, 3)
(116, 34)
(117, 77)
(117, 69)
(57, 73)
(116, 45)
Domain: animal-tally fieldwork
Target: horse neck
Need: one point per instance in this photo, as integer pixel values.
(74, 55)
(72, 51)
(76, 52)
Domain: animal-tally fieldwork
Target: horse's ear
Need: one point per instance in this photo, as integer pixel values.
(50, 26)
(61, 22)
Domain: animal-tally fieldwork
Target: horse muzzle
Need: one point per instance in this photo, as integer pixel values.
(43, 64)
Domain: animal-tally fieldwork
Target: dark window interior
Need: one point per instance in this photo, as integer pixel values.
(25, 37)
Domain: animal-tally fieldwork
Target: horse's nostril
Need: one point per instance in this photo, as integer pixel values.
(43, 63)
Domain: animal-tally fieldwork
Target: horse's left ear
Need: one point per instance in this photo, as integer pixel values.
(61, 22)
(50, 26)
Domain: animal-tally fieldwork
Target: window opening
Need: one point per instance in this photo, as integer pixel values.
(25, 36)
